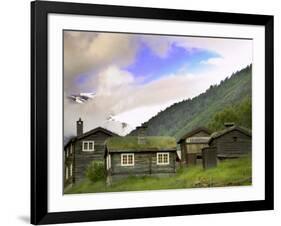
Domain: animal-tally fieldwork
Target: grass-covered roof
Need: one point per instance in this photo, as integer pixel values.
(229, 129)
(130, 143)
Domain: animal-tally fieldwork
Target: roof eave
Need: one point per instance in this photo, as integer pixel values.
(242, 130)
(140, 150)
(88, 133)
(194, 131)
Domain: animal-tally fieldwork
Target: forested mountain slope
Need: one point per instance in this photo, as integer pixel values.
(183, 116)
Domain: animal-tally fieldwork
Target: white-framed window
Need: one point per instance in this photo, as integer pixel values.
(127, 159)
(163, 158)
(70, 170)
(88, 145)
(108, 162)
(66, 173)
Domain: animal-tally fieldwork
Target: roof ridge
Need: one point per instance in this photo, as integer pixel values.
(226, 130)
(194, 131)
(97, 129)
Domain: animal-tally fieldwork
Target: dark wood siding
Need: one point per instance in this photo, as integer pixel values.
(191, 151)
(232, 144)
(170, 168)
(83, 159)
(68, 157)
(145, 164)
(183, 152)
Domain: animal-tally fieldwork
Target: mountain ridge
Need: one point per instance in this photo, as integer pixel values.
(183, 116)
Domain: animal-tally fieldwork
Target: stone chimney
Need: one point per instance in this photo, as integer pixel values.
(229, 124)
(79, 127)
(141, 134)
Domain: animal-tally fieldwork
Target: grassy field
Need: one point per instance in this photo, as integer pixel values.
(234, 172)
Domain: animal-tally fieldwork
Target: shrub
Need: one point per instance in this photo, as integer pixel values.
(95, 171)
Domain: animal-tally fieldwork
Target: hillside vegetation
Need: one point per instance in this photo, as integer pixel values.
(240, 114)
(234, 172)
(201, 110)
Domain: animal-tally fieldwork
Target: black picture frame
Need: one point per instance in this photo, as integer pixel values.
(39, 112)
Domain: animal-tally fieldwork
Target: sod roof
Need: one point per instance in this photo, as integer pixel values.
(193, 132)
(241, 129)
(130, 143)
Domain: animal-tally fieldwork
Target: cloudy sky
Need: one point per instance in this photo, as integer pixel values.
(135, 76)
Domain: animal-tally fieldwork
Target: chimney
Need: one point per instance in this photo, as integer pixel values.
(141, 134)
(79, 127)
(229, 124)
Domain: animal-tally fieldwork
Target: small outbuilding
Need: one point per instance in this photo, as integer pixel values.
(140, 156)
(232, 142)
(209, 157)
(191, 145)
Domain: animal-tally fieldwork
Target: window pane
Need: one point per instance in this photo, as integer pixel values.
(90, 145)
(160, 158)
(165, 158)
(124, 160)
(85, 146)
(130, 159)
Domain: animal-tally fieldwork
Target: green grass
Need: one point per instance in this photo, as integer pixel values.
(234, 172)
(131, 142)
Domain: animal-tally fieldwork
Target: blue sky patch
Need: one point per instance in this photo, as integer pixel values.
(148, 66)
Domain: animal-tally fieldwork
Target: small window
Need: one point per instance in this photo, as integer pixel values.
(127, 160)
(71, 170)
(66, 173)
(234, 139)
(88, 145)
(162, 158)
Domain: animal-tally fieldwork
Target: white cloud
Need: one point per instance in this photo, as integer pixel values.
(235, 54)
(86, 51)
(212, 61)
(139, 115)
(119, 93)
(112, 80)
(160, 46)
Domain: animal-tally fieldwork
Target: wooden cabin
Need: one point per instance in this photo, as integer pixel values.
(232, 142)
(81, 150)
(191, 145)
(68, 159)
(139, 156)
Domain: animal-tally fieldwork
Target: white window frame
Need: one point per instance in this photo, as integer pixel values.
(128, 164)
(163, 153)
(88, 142)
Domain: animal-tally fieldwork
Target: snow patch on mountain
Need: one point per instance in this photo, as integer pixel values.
(121, 128)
